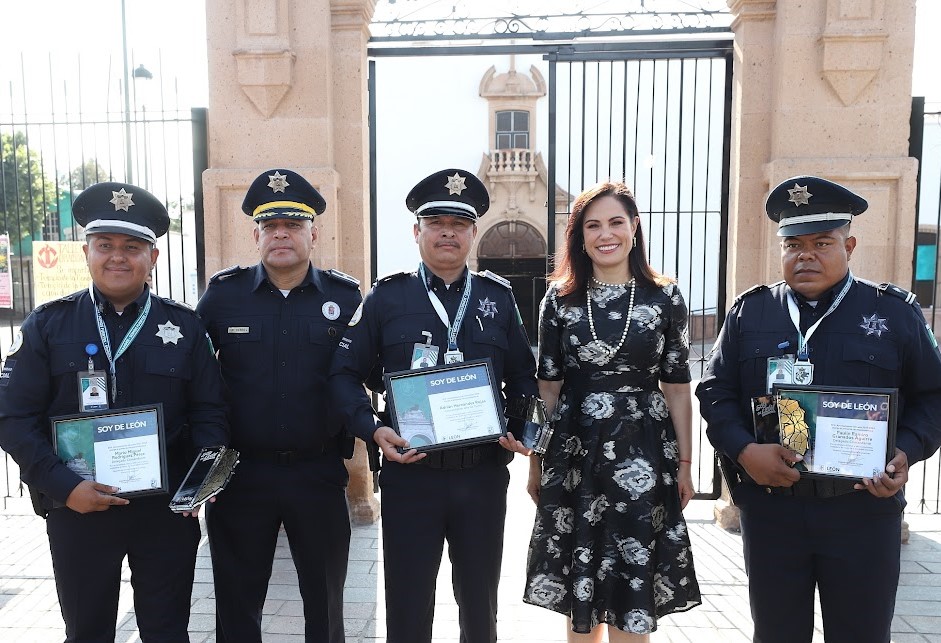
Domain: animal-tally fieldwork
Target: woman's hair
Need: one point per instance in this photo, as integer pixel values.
(573, 265)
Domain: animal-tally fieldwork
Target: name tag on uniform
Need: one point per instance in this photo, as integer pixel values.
(239, 330)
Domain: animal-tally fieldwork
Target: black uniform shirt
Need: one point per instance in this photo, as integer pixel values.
(40, 381)
(874, 338)
(391, 322)
(275, 353)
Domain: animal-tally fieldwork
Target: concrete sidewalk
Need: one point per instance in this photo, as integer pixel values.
(29, 609)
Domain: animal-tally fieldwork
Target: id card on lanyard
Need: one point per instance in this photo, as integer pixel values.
(803, 368)
(453, 354)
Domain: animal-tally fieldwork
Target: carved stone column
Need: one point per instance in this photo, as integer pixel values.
(287, 88)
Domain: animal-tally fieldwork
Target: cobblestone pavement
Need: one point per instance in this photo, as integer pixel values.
(29, 610)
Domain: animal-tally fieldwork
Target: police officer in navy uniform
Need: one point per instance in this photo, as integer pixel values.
(276, 325)
(840, 536)
(149, 350)
(440, 313)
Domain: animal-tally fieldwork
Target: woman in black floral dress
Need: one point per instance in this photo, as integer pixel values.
(610, 545)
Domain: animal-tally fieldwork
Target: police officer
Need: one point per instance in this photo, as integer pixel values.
(146, 349)
(276, 325)
(830, 328)
(440, 313)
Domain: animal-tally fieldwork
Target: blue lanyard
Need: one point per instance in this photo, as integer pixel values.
(132, 333)
(453, 329)
(802, 340)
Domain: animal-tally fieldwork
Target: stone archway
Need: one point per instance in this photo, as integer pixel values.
(517, 252)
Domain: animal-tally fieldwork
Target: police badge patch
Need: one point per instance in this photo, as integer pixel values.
(874, 325)
(487, 307)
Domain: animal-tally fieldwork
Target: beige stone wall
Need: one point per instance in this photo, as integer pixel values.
(287, 89)
(824, 88)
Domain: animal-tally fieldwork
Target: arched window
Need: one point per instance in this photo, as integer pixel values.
(512, 240)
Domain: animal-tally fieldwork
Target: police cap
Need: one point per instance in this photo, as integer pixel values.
(449, 192)
(282, 194)
(121, 208)
(809, 204)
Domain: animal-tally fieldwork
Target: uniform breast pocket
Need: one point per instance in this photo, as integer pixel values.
(322, 339)
(239, 340)
(67, 358)
(872, 364)
(168, 373)
(753, 354)
(491, 341)
(399, 337)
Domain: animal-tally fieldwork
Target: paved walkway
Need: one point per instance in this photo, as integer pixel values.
(29, 611)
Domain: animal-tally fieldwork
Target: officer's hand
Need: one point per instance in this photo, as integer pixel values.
(534, 484)
(770, 465)
(888, 484)
(510, 443)
(388, 440)
(91, 496)
(195, 512)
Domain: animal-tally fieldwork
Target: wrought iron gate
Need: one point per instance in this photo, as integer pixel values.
(656, 115)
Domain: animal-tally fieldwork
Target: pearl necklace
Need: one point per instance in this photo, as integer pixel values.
(627, 323)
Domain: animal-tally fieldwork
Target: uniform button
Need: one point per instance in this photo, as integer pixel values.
(757, 350)
(332, 331)
(284, 332)
(71, 364)
(284, 363)
(401, 336)
(872, 357)
(173, 370)
(284, 395)
(284, 426)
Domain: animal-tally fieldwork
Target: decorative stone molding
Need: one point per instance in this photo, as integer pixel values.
(750, 11)
(351, 14)
(265, 77)
(853, 46)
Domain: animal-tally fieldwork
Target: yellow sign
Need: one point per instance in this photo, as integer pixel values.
(58, 269)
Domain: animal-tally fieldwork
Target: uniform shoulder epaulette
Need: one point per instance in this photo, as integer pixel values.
(885, 288)
(486, 274)
(393, 276)
(60, 300)
(751, 291)
(343, 277)
(228, 272)
(177, 304)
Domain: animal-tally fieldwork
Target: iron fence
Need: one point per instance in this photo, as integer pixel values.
(54, 142)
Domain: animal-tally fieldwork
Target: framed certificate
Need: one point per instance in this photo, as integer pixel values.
(445, 406)
(124, 448)
(841, 432)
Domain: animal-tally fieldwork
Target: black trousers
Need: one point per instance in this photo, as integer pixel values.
(847, 546)
(421, 508)
(309, 499)
(88, 551)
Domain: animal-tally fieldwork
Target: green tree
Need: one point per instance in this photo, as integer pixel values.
(84, 175)
(26, 193)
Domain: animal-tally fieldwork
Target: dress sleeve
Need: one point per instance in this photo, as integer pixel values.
(551, 365)
(674, 361)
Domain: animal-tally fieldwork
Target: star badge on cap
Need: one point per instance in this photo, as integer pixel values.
(169, 333)
(121, 200)
(455, 184)
(278, 181)
(799, 195)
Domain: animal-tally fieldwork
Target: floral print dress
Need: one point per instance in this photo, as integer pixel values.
(610, 544)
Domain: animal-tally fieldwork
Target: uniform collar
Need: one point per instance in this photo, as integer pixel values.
(106, 307)
(261, 278)
(433, 281)
(827, 297)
